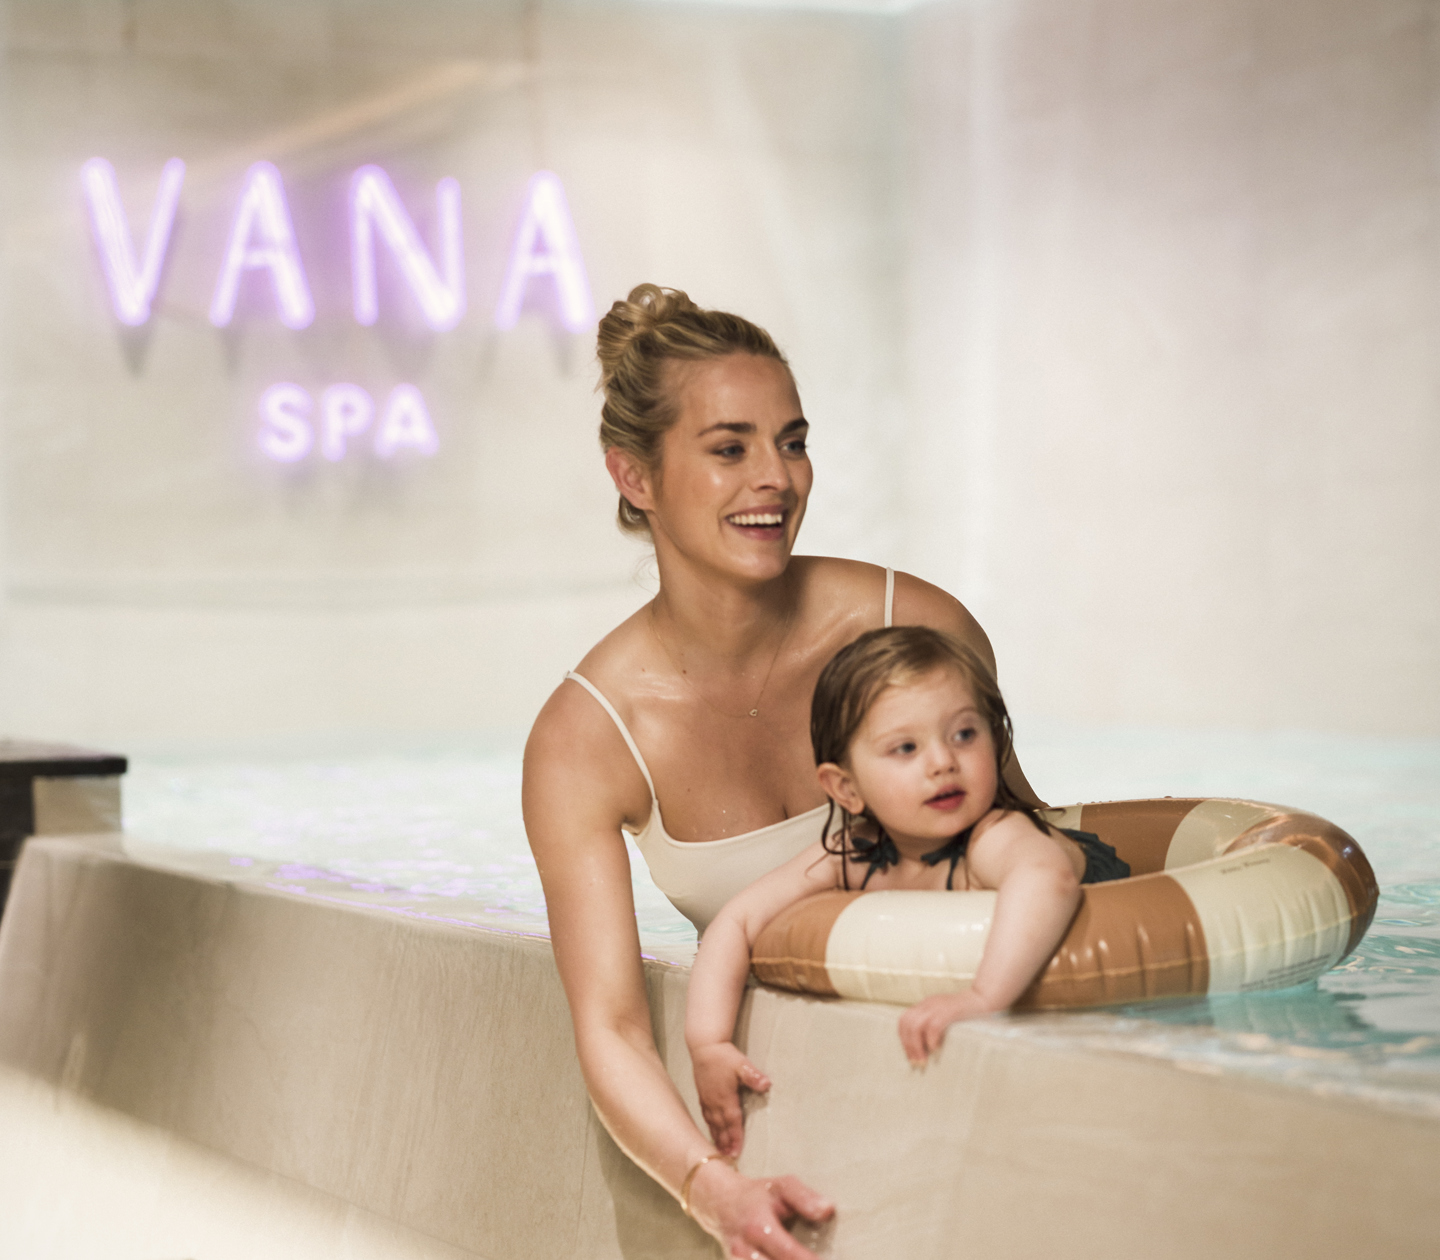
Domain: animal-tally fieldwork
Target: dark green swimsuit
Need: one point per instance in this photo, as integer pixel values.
(1102, 863)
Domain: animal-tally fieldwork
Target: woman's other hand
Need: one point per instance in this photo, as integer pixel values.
(720, 1073)
(922, 1027)
(748, 1215)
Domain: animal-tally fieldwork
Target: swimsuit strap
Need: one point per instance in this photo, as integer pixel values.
(624, 730)
(879, 854)
(954, 849)
(630, 739)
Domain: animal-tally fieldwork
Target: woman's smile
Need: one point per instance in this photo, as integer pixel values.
(764, 524)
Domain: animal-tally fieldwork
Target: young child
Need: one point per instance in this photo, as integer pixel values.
(910, 733)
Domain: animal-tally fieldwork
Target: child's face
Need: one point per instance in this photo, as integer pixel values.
(923, 760)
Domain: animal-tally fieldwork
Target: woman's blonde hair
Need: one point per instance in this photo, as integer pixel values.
(637, 339)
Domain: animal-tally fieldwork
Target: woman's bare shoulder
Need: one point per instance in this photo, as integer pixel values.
(835, 574)
(922, 603)
(623, 654)
(858, 588)
(573, 736)
(831, 587)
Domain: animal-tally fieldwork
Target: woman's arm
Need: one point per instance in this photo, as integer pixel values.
(580, 785)
(1038, 893)
(918, 603)
(717, 984)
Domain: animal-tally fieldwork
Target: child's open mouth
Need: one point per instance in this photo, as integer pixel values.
(947, 800)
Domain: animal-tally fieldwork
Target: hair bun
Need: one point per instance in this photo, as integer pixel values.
(648, 307)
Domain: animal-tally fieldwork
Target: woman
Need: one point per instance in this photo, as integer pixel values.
(700, 701)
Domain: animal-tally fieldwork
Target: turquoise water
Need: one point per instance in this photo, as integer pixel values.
(438, 834)
(1385, 793)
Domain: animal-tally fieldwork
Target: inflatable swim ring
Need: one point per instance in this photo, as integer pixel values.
(1226, 897)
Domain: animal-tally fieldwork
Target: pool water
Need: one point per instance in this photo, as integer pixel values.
(438, 835)
(443, 826)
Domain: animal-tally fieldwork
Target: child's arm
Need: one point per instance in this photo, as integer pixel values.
(717, 983)
(1038, 895)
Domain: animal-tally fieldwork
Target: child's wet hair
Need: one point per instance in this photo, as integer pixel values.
(856, 675)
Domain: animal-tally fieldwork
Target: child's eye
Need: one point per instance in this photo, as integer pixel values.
(965, 735)
(904, 748)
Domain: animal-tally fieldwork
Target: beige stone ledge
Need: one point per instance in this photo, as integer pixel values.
(191, 1062)
(78, 1179)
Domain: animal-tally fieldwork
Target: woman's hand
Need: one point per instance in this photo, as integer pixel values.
(748, 1215)
(922, 1027)
(720, 1072)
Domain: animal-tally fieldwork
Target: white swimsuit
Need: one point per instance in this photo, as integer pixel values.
(701, 876)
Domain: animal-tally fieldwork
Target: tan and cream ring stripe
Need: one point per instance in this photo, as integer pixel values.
(1226, 897)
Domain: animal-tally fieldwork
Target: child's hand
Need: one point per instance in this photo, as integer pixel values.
(922, 1027)
(720, 1071)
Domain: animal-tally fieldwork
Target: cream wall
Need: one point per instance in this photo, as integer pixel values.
(165, 582)
(1115, 318)
(1174, 306)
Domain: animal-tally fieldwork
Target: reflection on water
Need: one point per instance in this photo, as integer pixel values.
(444, 825)
(1307, 1017)
(440, 836)
(1384, 994)
(1369, 1029)
(1392, 980)
(1301, 1014)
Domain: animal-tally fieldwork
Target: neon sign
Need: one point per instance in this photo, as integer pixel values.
(262, 239)
(546, 245)
(375, 203)
(346, 411)
(132, 285)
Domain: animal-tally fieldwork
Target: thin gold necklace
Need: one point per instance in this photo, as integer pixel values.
(760, 695)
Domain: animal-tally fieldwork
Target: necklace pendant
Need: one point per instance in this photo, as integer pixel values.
(754, 712)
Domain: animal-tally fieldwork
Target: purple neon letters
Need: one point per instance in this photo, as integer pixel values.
(289, 421)
(132, 284)
(262, 238)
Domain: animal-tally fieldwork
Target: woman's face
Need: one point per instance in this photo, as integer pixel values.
(733, 478)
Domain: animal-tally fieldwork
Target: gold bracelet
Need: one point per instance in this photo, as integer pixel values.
(690, 1178)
